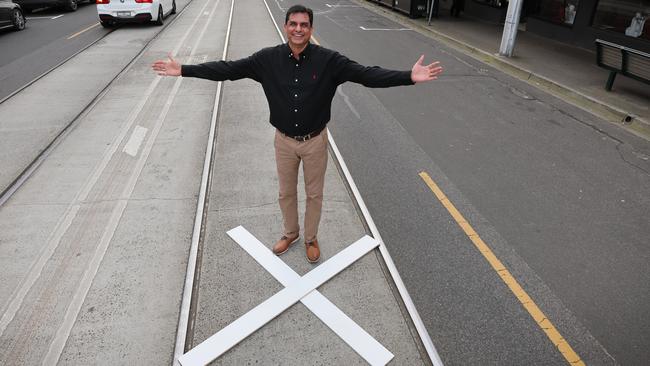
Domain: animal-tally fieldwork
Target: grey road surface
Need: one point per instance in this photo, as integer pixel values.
(51, 36)
(562, 198)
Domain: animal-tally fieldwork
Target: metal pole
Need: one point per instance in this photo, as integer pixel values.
(431, 10)
(510, 28)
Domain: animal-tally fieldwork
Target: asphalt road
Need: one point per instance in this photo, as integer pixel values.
(50, 37)
(561, 197)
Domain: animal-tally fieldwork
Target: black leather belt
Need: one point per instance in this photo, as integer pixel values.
(306, 137)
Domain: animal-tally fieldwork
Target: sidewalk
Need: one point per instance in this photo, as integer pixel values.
(568, 72)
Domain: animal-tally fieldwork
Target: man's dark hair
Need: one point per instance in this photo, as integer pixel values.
(300, 9)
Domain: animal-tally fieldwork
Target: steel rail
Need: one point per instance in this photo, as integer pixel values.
(38, 160)
(188, 306)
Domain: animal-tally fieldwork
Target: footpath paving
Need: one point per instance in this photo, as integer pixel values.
(568, 72)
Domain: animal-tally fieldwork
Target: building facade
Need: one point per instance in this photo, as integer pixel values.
(577, 22)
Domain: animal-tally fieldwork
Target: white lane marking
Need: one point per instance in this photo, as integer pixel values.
(342, 6)
(245, 325)
(279, 6)
(133, 145)
(347, 101)
(384, 29)
(57, 17)
(34, 18)
(35, 271)
(362, 342)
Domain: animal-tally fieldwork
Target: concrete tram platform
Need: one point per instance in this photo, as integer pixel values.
(244, 192)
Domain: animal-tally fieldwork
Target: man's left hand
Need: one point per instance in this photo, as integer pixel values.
(421, 73)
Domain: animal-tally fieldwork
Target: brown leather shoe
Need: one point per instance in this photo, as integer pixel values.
(284, 243)
(313, 252)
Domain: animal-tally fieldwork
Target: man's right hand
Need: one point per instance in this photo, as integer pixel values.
(167, 68)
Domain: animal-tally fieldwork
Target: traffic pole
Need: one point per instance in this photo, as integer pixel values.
(510, 28)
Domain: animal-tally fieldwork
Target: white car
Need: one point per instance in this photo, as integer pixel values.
(112, 12)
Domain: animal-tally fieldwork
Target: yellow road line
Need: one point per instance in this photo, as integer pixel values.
(528, 303)
(83, 30)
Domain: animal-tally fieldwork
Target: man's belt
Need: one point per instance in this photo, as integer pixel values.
(306, 137)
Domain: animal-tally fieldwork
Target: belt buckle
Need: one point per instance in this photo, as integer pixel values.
(303, 138)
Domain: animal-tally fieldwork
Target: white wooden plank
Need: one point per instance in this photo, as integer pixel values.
(245, 325)
(355, 336)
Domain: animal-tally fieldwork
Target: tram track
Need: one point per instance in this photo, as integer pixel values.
(190, 295)
(23, 176)
(81, 212)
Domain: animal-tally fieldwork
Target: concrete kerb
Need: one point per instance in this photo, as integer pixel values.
(606, 111)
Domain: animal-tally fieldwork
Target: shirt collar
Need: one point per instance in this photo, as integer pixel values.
(304, 54)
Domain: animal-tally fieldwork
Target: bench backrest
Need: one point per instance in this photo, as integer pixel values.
(627, 61)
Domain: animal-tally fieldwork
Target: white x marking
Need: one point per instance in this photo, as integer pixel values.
(296, 289)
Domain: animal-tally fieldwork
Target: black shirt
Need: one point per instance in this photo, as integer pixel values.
(299, 92)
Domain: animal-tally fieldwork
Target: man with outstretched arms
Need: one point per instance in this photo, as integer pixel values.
(299, 79)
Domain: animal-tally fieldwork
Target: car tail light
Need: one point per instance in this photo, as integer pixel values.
(103, 1)
(144, 1)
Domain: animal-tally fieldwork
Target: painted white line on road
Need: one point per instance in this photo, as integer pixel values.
(133, 145)
(36, 18)
(384, 29)
(357, 338)
(245, 325)
(57, 17)
(341, 6)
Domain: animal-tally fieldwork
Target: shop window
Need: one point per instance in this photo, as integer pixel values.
(493, 3)
(624, 16)
(556, 11)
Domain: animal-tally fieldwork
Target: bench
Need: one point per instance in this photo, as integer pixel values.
(619, 59)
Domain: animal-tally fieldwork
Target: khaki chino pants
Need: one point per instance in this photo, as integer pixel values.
(288, 155)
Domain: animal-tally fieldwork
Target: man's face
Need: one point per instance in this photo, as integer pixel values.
(298, 29)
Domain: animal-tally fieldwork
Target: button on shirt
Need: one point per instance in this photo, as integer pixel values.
(299, 91)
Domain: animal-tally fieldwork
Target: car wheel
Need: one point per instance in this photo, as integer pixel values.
(71, 5)
(18, 19)
(159, 20)
(174, 7)
(106, 24)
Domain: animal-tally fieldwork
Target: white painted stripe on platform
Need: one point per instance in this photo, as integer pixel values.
(384, 29)
(133, 145)
(355, 336)
(58, 16)
(245, 325)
